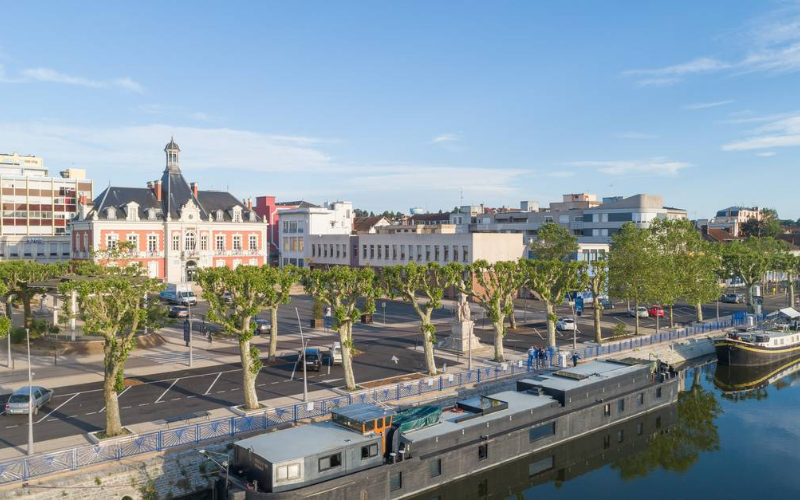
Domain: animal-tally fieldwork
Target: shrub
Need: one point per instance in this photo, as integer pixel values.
(619, 330)
(18, 335)
(55, 329)
(316, 311)
(38, 327)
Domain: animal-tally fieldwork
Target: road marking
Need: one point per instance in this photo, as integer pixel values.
(330, 380)
(218, 392)
(235, 389)
(278, 382)
(124, 407)
(212, 384)
(190, 397)
(91, 413)
(258, 385)
(175, 399)
(59, 406)
(118, 396)
(168, 388)
(12, 426)
(144, 404)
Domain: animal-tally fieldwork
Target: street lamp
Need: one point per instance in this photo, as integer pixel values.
(191, 354)
(30, 394)
(224, 465)
(303, 345)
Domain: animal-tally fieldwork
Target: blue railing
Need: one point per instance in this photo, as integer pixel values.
(83, 456)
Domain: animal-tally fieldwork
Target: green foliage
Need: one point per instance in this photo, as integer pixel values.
(620, 330)
(54, 329)
(97, 481)
(18, 334)
(750, 260)
(632, 264)
(5, 326)
(38, 327)
(17, 276)
(148, 490)
(552, 280)
(554, 242)
(317, 311)
(769, 226)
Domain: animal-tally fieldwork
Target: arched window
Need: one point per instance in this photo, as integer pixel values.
(189, 241)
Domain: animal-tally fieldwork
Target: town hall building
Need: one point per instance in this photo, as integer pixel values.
(174, 227)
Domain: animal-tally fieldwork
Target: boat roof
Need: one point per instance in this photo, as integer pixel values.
(517, 402)
(362, 412)
(302, 441)
(586, 374)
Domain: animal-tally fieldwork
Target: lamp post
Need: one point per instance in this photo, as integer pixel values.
(191, 353)
(30, 394)
(224, 465)
(303, 345)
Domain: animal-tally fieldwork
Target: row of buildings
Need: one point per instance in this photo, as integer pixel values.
(172, 227)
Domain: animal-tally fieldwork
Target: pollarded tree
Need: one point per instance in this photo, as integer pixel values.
(553, 280)
(282, 280)
(250, 290)
(596, 278)
(343, 288)
(554, 242)
(494, 287)
(18, 275)
(788, 264)
(631, 263)
(113, 305)
(423, 287)
(669, 240)
(750, 260)
(700, 268)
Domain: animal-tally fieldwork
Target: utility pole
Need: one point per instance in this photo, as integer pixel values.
(303, 344)
(191, 354)
(30, 394)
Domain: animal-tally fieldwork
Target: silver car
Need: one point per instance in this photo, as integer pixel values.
(18, 402)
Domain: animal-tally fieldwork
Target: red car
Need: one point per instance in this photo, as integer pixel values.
(655, 311)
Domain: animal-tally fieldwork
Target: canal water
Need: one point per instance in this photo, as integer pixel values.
(734, 433)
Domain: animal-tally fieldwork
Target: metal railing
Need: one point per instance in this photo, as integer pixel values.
(72, 459)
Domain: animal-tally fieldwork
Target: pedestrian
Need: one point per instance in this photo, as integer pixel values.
(575, 358)
(543, 355)
(536, 357)
(531, 353)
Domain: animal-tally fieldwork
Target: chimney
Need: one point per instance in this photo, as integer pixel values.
(157, 185)
(194, 189)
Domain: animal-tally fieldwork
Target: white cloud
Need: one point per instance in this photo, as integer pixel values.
(772, 45)
(706, 105)
(52, 76)
(635, 135)
(766, 154)
(653, 166)
(443, 138)
(781, 132)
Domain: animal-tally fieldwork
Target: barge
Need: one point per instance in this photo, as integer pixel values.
(740, 379)
(368, 452)
(758, 348)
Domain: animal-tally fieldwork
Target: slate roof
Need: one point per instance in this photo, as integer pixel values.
(366, 223)
(297, 203)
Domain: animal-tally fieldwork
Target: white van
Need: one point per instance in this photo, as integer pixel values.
(336, 353)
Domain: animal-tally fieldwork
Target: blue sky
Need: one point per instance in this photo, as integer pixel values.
(416, 103)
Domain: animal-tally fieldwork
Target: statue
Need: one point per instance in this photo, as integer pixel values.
(462, 339)
(463, 311)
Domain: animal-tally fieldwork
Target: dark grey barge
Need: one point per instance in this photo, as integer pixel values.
(370, 459)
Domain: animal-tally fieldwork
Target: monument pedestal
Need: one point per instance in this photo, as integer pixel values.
(461, 338)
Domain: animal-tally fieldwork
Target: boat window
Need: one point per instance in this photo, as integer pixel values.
(607, 441)
(369, 425)
(621, 405)
(330, 462)
(369, 451)
(483, 451)
(542, 431)
(395, 481)
(639, 429)
(436, 467)
(620, 436)
(658, 392)
(288, 472)
(640, 398)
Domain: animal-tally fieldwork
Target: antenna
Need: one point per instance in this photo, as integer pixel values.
(461, 193)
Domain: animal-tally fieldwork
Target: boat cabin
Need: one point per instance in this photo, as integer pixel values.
(301, 456)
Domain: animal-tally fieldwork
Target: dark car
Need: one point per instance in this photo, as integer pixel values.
(313, 359)
(732, 298)
(263, 327)
(606, 303)
(178, 312)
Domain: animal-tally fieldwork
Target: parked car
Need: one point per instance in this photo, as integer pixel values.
(564, 324)
(263, 327)
(312, 359)
(178, 312)
(655, 312)
(606, 303)
(336, 353)
(640, 311)
(18, 402)
(226, 296)
(732, 298)
(179, 293)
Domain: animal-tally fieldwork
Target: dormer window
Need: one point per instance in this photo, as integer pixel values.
(151, 214)
(237, 214)
(252, 216)
(111, 213)
(219, 216)
(132, 211)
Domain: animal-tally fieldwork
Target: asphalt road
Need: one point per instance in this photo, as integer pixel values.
(80, 408)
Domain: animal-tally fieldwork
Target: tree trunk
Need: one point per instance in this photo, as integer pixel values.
(427, 340)
(598, 332)
(248, 377)
(699, 310)
(551, 324)
(347, 356)
(499, 325)
(26, 305)
(748, 294)
(791, 291)
(113, 420)
(512, 320)
(636, 315)
(9, 305)
(273, 333)
(671, 317)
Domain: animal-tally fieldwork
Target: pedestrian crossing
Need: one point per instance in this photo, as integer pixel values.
(169, 357)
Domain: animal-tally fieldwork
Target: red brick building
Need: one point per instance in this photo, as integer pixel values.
(175, 227)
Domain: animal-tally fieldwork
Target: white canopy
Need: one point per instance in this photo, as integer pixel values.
(790, 312)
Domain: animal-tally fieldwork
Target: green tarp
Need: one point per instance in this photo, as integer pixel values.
(416, 418)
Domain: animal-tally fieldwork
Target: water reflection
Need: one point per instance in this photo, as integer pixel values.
(740, 383)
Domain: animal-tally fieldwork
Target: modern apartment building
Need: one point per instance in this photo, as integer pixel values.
(37, 208)
(298, 224)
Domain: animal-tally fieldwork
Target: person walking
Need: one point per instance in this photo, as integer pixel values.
(543, 355)
(575, 358)
(536, 356)
(531, 353)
